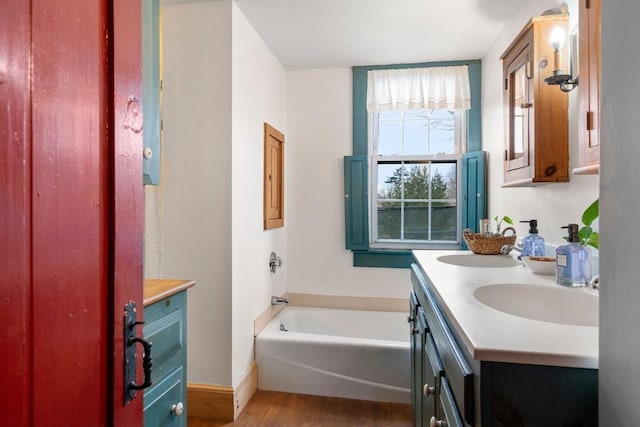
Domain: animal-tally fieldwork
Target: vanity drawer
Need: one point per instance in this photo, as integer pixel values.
(434, 358)
(164, 328)
(165, 403)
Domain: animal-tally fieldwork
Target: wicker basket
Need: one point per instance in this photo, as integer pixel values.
(488, 245)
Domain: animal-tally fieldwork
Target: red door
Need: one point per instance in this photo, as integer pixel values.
(71, 209)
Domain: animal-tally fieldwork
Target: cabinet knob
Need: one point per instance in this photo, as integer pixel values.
(428, 391)
(177, 409)
(434, 422)
(147, 153)
(414, 331)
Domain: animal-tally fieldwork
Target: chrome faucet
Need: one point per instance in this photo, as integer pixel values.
(279, 300)
(508, 248)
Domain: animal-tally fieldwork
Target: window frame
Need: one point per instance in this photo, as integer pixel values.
(356, 212)
(460, 136)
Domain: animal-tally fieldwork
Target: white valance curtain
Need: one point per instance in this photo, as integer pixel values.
(429, 88)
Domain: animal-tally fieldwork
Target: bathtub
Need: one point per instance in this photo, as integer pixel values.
(343, 353)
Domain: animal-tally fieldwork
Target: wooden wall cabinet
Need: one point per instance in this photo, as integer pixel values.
(273, 177)
(536, 114)
(589, 89)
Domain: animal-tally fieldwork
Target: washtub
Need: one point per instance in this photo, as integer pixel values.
(331, 352)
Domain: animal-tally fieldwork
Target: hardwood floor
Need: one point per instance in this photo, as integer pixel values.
(277, 409)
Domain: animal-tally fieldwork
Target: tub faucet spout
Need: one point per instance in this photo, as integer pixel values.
(279, 300)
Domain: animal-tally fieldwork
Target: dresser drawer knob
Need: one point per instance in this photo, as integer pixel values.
(434, 422)
(177, 409)
(428, 391)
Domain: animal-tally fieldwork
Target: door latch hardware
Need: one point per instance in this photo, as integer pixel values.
(130, 341)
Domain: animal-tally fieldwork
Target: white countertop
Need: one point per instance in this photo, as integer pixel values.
(493, 335)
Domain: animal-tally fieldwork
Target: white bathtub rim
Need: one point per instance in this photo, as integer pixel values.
(272, 329)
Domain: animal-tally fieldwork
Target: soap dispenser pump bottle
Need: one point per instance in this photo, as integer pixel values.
(533, 244)
(573, 264)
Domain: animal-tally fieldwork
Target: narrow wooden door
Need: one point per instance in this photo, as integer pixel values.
(71, 209)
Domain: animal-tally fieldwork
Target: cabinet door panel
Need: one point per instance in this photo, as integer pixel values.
(589, 92)
(519, 107)
(451, 414)
(432, 373)
(417, 342)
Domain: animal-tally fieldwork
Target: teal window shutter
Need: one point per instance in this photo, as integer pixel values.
(151, 90)
(356, 211)
(474, 194)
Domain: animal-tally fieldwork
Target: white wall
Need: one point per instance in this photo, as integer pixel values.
(319, 122)
(196, 177)
(259, 96)
(619, 206)
(553, 205)
(204, 222)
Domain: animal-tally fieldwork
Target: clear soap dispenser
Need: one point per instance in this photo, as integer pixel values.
(573, 263)
(533, 244)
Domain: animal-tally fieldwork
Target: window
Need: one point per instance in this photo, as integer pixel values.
(414, 175)
(370, 248)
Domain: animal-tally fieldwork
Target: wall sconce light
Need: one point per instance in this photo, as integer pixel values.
(566, 81)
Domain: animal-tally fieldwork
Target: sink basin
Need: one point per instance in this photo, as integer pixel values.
(480, 260)
(544, 303)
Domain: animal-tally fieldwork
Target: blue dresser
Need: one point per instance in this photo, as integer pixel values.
(165, 314)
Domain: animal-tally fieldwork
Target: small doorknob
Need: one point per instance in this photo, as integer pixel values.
(177, 409)
(428, 391)
(434, 422)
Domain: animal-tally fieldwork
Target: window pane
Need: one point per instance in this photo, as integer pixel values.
(442, 114)
(416, 134)
(443, 221)
(442, 136)
(415, 114)
(389, 221)
(443, 181)
(416, 200)
(390, 115)
(389, 137)
(416, 221)
(416, 181)
(389, 181)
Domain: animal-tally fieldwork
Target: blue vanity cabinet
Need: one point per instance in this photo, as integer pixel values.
(165, 402)
(446, 394)
(473, 392)
(426, 367)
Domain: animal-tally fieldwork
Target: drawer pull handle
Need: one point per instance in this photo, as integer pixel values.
(434, 422)
(177, 409)
(428, 391)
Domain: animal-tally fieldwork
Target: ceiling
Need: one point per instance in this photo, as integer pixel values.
(308, 34)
